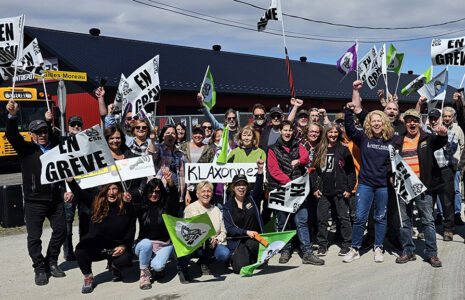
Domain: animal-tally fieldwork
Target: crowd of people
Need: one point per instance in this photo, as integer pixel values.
(351, 184)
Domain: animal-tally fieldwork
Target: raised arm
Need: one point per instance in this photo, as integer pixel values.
(100, 94)
(296, 104)
(356, 100)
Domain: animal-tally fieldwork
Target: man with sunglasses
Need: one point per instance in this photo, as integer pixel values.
(259, 118)
(110, 119)
(208, 128)
(40, 200)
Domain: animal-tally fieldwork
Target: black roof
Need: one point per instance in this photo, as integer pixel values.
(182, 68)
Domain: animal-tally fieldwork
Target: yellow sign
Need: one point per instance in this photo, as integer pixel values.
(65, 75)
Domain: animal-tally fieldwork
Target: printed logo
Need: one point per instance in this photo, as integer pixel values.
(191, 233)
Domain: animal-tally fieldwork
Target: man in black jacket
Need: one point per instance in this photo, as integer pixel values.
(417, 148)
(40, 200)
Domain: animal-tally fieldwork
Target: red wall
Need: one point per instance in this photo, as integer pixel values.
(83, 105)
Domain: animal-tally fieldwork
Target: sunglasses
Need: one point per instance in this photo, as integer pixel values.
(207, 127)
(141, 127)
(231, 118)
(261, 116)
(74, 124)
(276, 117)
(41, 131)
(132, 118)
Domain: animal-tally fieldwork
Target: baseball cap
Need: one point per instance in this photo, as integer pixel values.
(36, 125)
(303, 112)
(198, 128)
(75, 119)
(239, 177)
(412, 113)
(435, 113)
(276, 110)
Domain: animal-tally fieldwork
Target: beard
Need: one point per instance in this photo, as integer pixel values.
(259, 122)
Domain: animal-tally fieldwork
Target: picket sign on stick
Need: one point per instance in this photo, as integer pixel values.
(120, 179)
(398, 207)
(45, 92)
(461, 83)
(18, 56)
(285, 223)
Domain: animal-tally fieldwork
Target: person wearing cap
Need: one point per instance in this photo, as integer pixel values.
(417, 149)
(196, 152)
(40, 200)
(302, 124)
(447, 164)
(242, 220)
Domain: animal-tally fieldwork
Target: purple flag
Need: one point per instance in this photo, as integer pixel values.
(348, 62)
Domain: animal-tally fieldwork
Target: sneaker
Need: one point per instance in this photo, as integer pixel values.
(88, 285)
(56, 271)
(310, 258)
(379, 256)
(448, 236)
(343, 251)
(41, 278)
(184, 276)
(421, 236)
(285, 256)
(435, 262)
(458, 220)
(404, 258)
(145, 283)
(351, 255)
(205, 269)
(322, 251)
(438, 220)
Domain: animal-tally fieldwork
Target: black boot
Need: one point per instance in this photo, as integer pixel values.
(41, 278)
(184, 276)
(56, 271)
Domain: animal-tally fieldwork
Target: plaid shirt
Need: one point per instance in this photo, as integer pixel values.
(139, 149)
(445, 156)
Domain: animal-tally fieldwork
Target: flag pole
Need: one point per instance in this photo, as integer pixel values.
(285, 223)
(19, 52)
(398, 207)
(121, 179)
(45, 92)
(288, 63)
(461, 83)
(444, 99)
(356, 51)
(398, 77)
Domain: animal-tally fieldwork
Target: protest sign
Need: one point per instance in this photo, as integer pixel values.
(435, 89)
(131, 168)
(274, 12)
(365, 63)
(417, 83)
(31, 62)
(11, 39)
(348, 61)
(119, 101)
(406, 182)
(78, 155)
(197, 172)
(448, 52)
(142, 86)
(208, 89)
(290, 196)
(48, 64)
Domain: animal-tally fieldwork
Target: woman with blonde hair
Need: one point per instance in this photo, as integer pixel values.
(373, 141)
(247, 150)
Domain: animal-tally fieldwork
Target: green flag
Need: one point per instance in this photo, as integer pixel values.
(208, 89)
(188, 234)
(223, 156)
(396, 63)
(417, 83)
(390, 55)
(276, 240)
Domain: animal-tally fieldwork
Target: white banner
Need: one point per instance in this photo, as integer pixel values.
(448, 52)
(215, 173)
(80, 154)
(274, 12)
(11, 38)
(435, 89)
(290, 196)
(48, 64)
(406, 183)
(372, 75)
(142, 86)
(29, 64)
(365, 63)
(120, 101)
(130, 168)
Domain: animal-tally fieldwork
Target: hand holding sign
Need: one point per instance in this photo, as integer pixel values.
(251, 234)
(200, 99)
(100, 92)
(127, 197)
(442, 131)
(48, 116)
(457, 96)
(111, 109)
(422, 100)
(12, 107)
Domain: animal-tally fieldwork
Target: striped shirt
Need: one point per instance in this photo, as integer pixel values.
(410, 154)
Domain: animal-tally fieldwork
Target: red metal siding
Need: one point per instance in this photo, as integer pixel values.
(83, 105)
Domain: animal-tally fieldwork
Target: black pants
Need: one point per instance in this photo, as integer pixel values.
(89, 251)
(341, 205)
(312, 217)
(245, 254)
(84, 223)
(392, 216)
(35, 213)
(446, 195)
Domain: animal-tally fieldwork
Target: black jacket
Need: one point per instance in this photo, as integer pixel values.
(430, 173)
(344, 175)
(29, 157)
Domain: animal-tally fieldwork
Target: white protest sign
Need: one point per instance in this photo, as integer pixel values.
(48, 64)
(142, 86)
(371, 76)
(197, 172)
(448, 52)
(131, 168)
(80, 154)
(11, 38)
(120, 101)
(406, 182)
(291, 195)
(29, 64)
(365, 63)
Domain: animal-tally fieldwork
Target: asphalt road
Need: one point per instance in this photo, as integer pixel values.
(362, 279)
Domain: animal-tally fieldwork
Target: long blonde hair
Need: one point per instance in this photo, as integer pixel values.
(386, 129)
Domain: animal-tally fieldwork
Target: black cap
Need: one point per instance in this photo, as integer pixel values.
(238, 178)
(75, 119)
(303, 112)
(276, 110)
(435, 113)
(36, 125)
(198, 128)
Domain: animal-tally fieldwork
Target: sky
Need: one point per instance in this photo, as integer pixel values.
(138, 21)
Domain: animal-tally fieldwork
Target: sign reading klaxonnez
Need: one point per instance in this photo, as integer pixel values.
(65, 75)
(215, 173)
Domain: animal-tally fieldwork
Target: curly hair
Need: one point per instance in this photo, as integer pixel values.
(322, 148)
(101, 206)
(387, 129)
(238, 136)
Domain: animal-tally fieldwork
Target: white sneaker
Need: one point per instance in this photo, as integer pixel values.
(351, 256)
(379, 256)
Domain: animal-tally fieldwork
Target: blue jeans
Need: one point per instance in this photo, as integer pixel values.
(364, 198)
(157, 261)
(300, 219)
(458, 195)
(221, 253)
(424, 204)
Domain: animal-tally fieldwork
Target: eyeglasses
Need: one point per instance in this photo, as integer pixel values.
(40, 131)
(313, 131)
(132, 118)
(412, 121)
(276, 117)
(260, 116)
(207, 127)
(231, 118)
(141, 127)
(74, 124)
